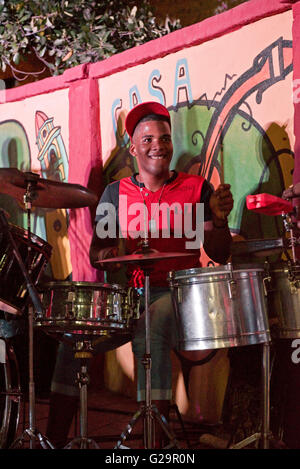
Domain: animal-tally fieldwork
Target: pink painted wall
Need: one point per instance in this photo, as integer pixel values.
(296, 88)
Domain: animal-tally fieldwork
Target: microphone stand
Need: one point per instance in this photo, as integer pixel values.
(33, 433)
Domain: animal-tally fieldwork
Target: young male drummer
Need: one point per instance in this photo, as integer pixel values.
(156, 186)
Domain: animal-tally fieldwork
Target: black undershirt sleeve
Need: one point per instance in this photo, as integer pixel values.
(111, 196)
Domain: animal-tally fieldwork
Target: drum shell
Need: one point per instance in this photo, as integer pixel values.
(284, 300)
(13, 286)
(218, 307)
(87, 308)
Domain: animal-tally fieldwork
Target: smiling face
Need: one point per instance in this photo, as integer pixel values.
(152, 147)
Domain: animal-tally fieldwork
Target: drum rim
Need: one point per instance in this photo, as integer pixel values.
(283, 267)
(43, 244)
(215, 270)
(64, 283)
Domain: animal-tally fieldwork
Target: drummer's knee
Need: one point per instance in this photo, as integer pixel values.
(195, 355)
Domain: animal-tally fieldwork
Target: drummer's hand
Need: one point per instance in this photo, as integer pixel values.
(109, 253)
(291, 191)
(221, 203)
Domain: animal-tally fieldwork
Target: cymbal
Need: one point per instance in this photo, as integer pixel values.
(144, 257)
(45, 192)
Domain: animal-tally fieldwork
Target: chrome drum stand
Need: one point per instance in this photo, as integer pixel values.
(148, 412)
(31, 432)
(264, 435)
(83, 352)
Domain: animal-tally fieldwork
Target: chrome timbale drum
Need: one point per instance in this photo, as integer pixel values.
(13, 285)
(284, 300)
(219, 307)
(87, 308)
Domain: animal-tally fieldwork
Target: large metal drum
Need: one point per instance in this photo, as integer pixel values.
(220, 307)
(87, 308)
(284, 299)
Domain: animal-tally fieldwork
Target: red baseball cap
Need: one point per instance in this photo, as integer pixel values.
(142, 110)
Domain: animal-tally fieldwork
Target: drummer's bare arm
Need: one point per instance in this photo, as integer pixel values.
(217, 236)
(101, 249)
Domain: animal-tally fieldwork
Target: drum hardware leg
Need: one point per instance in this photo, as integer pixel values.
(180, 420)
(148, 412)
(32, 432)
(10, 395)
(265, 435)
(85, 354)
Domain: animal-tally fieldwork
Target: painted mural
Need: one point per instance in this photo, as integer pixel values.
(47, 156)
(227, 133)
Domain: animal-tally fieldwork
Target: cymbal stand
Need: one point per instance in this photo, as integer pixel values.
(32, 432)
(83, 351)
(148, 411)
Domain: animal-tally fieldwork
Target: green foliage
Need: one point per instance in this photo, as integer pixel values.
(219, 6)
(62, 34)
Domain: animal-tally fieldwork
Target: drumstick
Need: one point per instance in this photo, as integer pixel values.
(222, 177)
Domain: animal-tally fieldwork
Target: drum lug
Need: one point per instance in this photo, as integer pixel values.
(132, 305)
(231, 283)
(294, 286)
(179, 295)
(267, 284)
(232, 289)
(293, 281)
(127, 308)
(267, 280)
(69, 313)
(136, 303)
(109, 310)
(37, 315)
